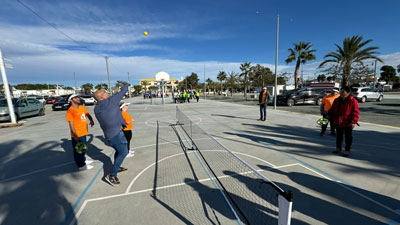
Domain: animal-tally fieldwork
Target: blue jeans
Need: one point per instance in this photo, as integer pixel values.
(263, 111)
(79, 158)
(120, 145)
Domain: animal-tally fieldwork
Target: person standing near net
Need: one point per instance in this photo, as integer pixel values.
(76, 118)
(128, 130)
(345, 114)
(326, 104)
(263, 99)
(112, 123)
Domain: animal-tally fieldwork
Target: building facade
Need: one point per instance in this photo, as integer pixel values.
(170, 85)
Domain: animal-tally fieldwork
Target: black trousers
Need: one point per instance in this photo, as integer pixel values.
(348, 134)
(323, 127)
(128, 136)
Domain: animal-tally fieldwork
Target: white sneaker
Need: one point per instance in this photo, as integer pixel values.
(130, 154)
(86, 167)
(88, 162)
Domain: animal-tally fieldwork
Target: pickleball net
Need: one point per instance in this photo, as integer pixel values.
(254, 198)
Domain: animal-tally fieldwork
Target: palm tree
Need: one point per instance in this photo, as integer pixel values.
(209, 82)
(221, 77)
(245, 68)
(233, 77)
(398, 70)
(145, 83)
(351, 52)
(302, 53)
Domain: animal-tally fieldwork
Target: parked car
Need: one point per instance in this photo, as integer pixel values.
(52, 100)
(23, 107)
(89, 100)
(364, 94)
(41, 99)
(301, 96)
(63, 104)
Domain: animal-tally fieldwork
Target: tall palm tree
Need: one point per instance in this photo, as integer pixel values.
(145, 83)
(232, 79)
(209, 82)
(246, 69)
(301, 53)
(221, 77)
(350, 53)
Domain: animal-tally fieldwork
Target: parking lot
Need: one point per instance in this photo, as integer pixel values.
(386, 112)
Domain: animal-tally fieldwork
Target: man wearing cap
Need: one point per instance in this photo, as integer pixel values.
(76, 117)
(326, 104)
(112, 123)
(263, 99)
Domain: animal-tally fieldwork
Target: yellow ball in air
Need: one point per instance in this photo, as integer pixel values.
(145, 33)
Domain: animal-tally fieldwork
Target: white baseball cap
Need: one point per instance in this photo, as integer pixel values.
(124, 104)
(71, 97)
(264, 88)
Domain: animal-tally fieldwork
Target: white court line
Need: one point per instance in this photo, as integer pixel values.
(64, 164)
(164, 187)
(354, 191)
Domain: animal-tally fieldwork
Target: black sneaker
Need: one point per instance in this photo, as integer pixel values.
(112, 180)
(346, 153)
(122, 169)
(337, 150)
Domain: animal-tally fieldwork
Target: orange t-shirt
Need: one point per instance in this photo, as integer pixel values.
(328, 101)
(127, 119)
(78, 116)
(264, 97)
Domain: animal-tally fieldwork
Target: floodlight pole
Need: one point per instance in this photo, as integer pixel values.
(108, 75)
(375, 74)
(204, 81)
(129, 89)
(276, 64)
(75, 82)
(7, 90)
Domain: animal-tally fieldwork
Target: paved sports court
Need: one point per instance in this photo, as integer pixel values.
(39, 183)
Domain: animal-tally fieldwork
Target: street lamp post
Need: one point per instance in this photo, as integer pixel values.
(276, 64)
(7, 90)
(108, 75)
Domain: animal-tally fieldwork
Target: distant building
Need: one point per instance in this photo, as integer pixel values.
(171, 85)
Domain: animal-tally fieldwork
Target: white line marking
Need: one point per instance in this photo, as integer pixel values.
(127, 192)
(64, 164)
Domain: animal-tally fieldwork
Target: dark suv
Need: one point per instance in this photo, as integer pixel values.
(302, 96)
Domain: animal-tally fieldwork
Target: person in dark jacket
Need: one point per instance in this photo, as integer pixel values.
(345, 114)
(263, 99)
(112, 123)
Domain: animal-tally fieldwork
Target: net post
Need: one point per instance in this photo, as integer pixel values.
(285, 208)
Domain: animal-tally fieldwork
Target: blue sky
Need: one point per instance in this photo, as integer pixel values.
(183, 35)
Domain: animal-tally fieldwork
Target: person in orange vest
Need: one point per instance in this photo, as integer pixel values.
(76, 118)
(129, 125)
(325, 106)
(263, 100)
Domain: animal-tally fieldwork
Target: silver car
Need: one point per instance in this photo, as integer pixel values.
(23, 107)
(364, 94)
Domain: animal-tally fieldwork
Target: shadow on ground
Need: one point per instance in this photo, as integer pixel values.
(36, 199)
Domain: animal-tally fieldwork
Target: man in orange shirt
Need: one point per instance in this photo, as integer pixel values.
(76, 117)
(326, 104)
(263, 99)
